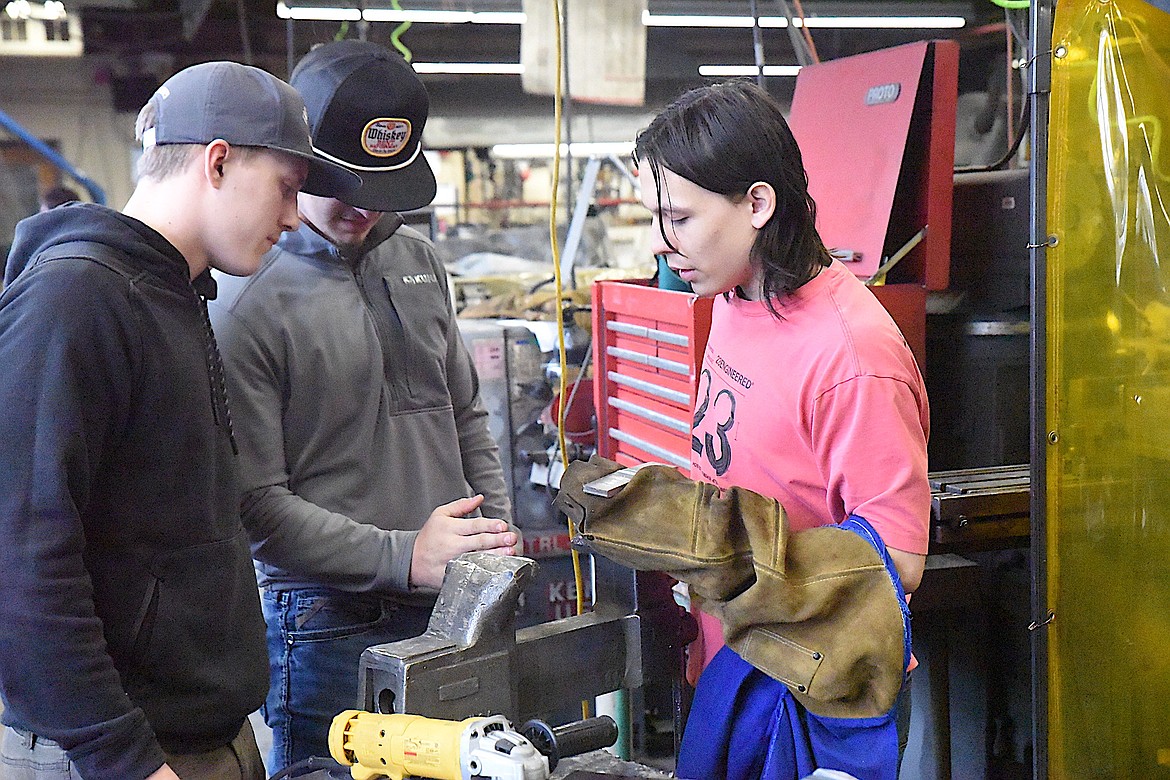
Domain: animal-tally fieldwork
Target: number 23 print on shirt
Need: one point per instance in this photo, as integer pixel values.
(713, 428)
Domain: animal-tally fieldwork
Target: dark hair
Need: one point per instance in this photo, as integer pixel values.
(724, 138)
(59, 195)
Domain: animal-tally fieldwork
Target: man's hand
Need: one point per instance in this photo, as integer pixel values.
(164, 772)
(448, 533)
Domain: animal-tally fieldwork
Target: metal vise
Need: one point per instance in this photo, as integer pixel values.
(472, 661)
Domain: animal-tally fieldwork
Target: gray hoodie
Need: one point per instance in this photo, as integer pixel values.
(356, 407)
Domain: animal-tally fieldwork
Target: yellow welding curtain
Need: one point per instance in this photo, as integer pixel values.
(1108, 404)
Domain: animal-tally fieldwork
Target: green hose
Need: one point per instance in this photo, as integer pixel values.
(398, 31)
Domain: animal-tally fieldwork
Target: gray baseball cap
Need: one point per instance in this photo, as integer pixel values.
(244, 106)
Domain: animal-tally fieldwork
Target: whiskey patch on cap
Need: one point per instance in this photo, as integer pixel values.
(385, 137)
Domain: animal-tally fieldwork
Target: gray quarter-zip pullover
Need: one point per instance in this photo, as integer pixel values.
(356, 407)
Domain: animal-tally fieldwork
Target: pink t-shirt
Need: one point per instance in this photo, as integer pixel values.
(824, 410)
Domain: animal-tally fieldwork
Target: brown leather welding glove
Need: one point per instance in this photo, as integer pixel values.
(815, 610)
(662, 521)
(823, 616)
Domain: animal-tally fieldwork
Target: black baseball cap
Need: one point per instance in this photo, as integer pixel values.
(367, 109)
(244, 106)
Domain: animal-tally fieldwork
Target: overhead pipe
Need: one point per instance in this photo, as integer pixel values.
(96, 193)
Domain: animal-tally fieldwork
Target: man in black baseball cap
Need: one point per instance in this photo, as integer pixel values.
(131, 637)
(365, 448)
(381, 140)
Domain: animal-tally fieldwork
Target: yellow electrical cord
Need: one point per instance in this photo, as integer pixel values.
(554, 201)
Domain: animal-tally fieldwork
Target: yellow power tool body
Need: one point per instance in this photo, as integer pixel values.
(400, 746)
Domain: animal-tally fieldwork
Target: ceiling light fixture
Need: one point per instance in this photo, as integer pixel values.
(18, 9)
(578, 149)
(470, 68)
(835, 22)
(885, 22)
(318, 13)
(697, 20)
(444, 17)
(49, 11)
(343, 14)
(729, 71)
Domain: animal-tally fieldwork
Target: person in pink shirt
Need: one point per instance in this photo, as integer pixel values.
(808, 392)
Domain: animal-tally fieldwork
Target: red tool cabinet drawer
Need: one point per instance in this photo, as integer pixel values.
(647, 347)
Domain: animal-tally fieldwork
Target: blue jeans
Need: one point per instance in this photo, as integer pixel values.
(315, 641)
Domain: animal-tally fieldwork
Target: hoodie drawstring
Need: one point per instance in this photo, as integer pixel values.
(219, 397)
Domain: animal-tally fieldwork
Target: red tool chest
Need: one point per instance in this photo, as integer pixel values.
(647, 347)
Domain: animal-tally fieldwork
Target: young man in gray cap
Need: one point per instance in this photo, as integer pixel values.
(357, 405)
(131, 639)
